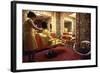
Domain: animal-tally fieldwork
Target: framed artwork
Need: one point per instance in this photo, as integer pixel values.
(48, 36)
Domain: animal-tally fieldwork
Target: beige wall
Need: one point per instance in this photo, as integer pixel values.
(57, 20)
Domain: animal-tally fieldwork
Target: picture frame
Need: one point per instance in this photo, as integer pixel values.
(17, 9)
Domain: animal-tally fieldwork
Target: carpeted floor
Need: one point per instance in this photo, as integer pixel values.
(59, 53)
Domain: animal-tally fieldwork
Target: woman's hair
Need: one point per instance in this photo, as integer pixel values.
(44, 25)
(31, 14)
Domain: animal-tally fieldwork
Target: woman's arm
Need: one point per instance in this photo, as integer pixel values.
(34, 26)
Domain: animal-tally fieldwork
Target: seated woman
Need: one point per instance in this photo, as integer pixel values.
(42, 38)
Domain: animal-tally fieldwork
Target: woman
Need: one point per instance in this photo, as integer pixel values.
(29, 31)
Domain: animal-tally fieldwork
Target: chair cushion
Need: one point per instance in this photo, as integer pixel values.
(41, 41)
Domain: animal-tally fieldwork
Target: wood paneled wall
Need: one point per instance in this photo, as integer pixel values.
(83, 27)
